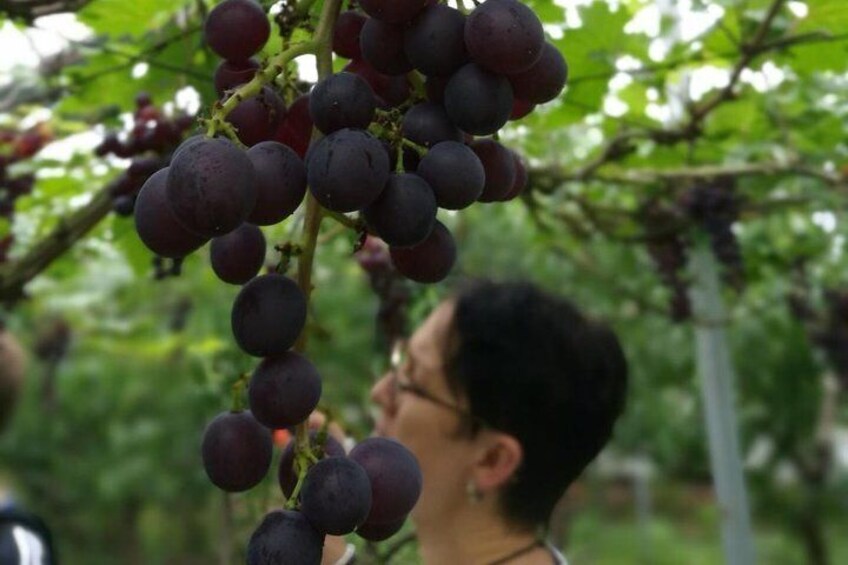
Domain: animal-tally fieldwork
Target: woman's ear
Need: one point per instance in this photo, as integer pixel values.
(500, 456)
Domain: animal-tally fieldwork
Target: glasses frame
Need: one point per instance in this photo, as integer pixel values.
(398, 359)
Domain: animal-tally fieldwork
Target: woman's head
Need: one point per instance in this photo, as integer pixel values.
(507, 390)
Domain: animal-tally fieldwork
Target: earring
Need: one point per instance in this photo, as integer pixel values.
(474, 494)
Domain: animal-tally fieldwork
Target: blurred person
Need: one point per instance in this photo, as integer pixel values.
(505, 394)
(24, 538)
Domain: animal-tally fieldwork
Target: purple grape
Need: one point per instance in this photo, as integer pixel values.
(499, 165)
(284, 390)
(157, 227)
(380, 532)
(238, 256)
(395, 478)
(211, 186)
(504, 36)
(405, 211)
(236, 451)
(336, 495)
(455, 174)
(431, 260)
(346, 34)
(394, 11)
(280, 182)
(285, 537)
(544, 80)
(237, 29)
(268, 315)
(287, 476)
(382, 46)
(342, 100)
(230, 74)
(478, 101)
(434, 42)
(257, 118)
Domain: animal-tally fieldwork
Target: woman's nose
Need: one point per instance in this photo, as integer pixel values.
(381, 392)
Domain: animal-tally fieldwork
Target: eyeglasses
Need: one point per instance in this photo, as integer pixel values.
(401, 383)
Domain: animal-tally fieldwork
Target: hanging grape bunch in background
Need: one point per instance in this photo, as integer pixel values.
(396, 142)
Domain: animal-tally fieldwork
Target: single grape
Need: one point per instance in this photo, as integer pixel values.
(237, 256)
(236, 451)
(211, 186)
(380, 532)
(404, 213)
(268, 315)
(504, 36)
(544, 80)
(347, 170)
(346, 34)
(157, 227)
(231, 74)
(382, 47)
(395, 478)
(342, 100)
(428, 124)
(499, 165)
(280, 182)
(285, 537)
(336, 495)
(143, 167)
(394, 11)
(287, 476)
(455, 174)
(237, 29)
(478, 101)
(284, 390)
(434, 42)
(257, 118)
(123, 206)
(295, 129)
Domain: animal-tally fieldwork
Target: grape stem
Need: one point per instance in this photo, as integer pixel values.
(321, 45)
(238, 393)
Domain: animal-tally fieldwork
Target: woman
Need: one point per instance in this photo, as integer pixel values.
(505, 394)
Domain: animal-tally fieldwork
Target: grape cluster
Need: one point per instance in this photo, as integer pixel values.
(153, 136)
(667, 246)
(714, 206)
(15, 147)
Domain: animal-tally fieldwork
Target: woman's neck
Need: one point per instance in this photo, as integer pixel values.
(475, 535)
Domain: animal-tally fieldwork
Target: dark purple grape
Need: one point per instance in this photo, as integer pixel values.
(382, 47)
(211, 186)
(280, 182)
(434, 42)
(347, 170)
(236, 451)
(455, 174)
(380, 532)
(504, 36)
(257, 118)
(405, 211)
(395, 11)
(231, 74)
(287, 475)
(123, 206)
(544, 80)
(336, 496)
(478, 101)
(237, 29)
(268, 315)
(520, 182)
(342, 100)
(295, 130)
(428, 124)
(395, 478)
(346, 34)
(431, 260)
(238, 256)
(284, 390)
(499, 166)
(157, 227)
(285, 537)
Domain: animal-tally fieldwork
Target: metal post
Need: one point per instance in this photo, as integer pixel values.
(716, 373)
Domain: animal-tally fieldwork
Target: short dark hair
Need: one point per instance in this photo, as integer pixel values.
(531, 365)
